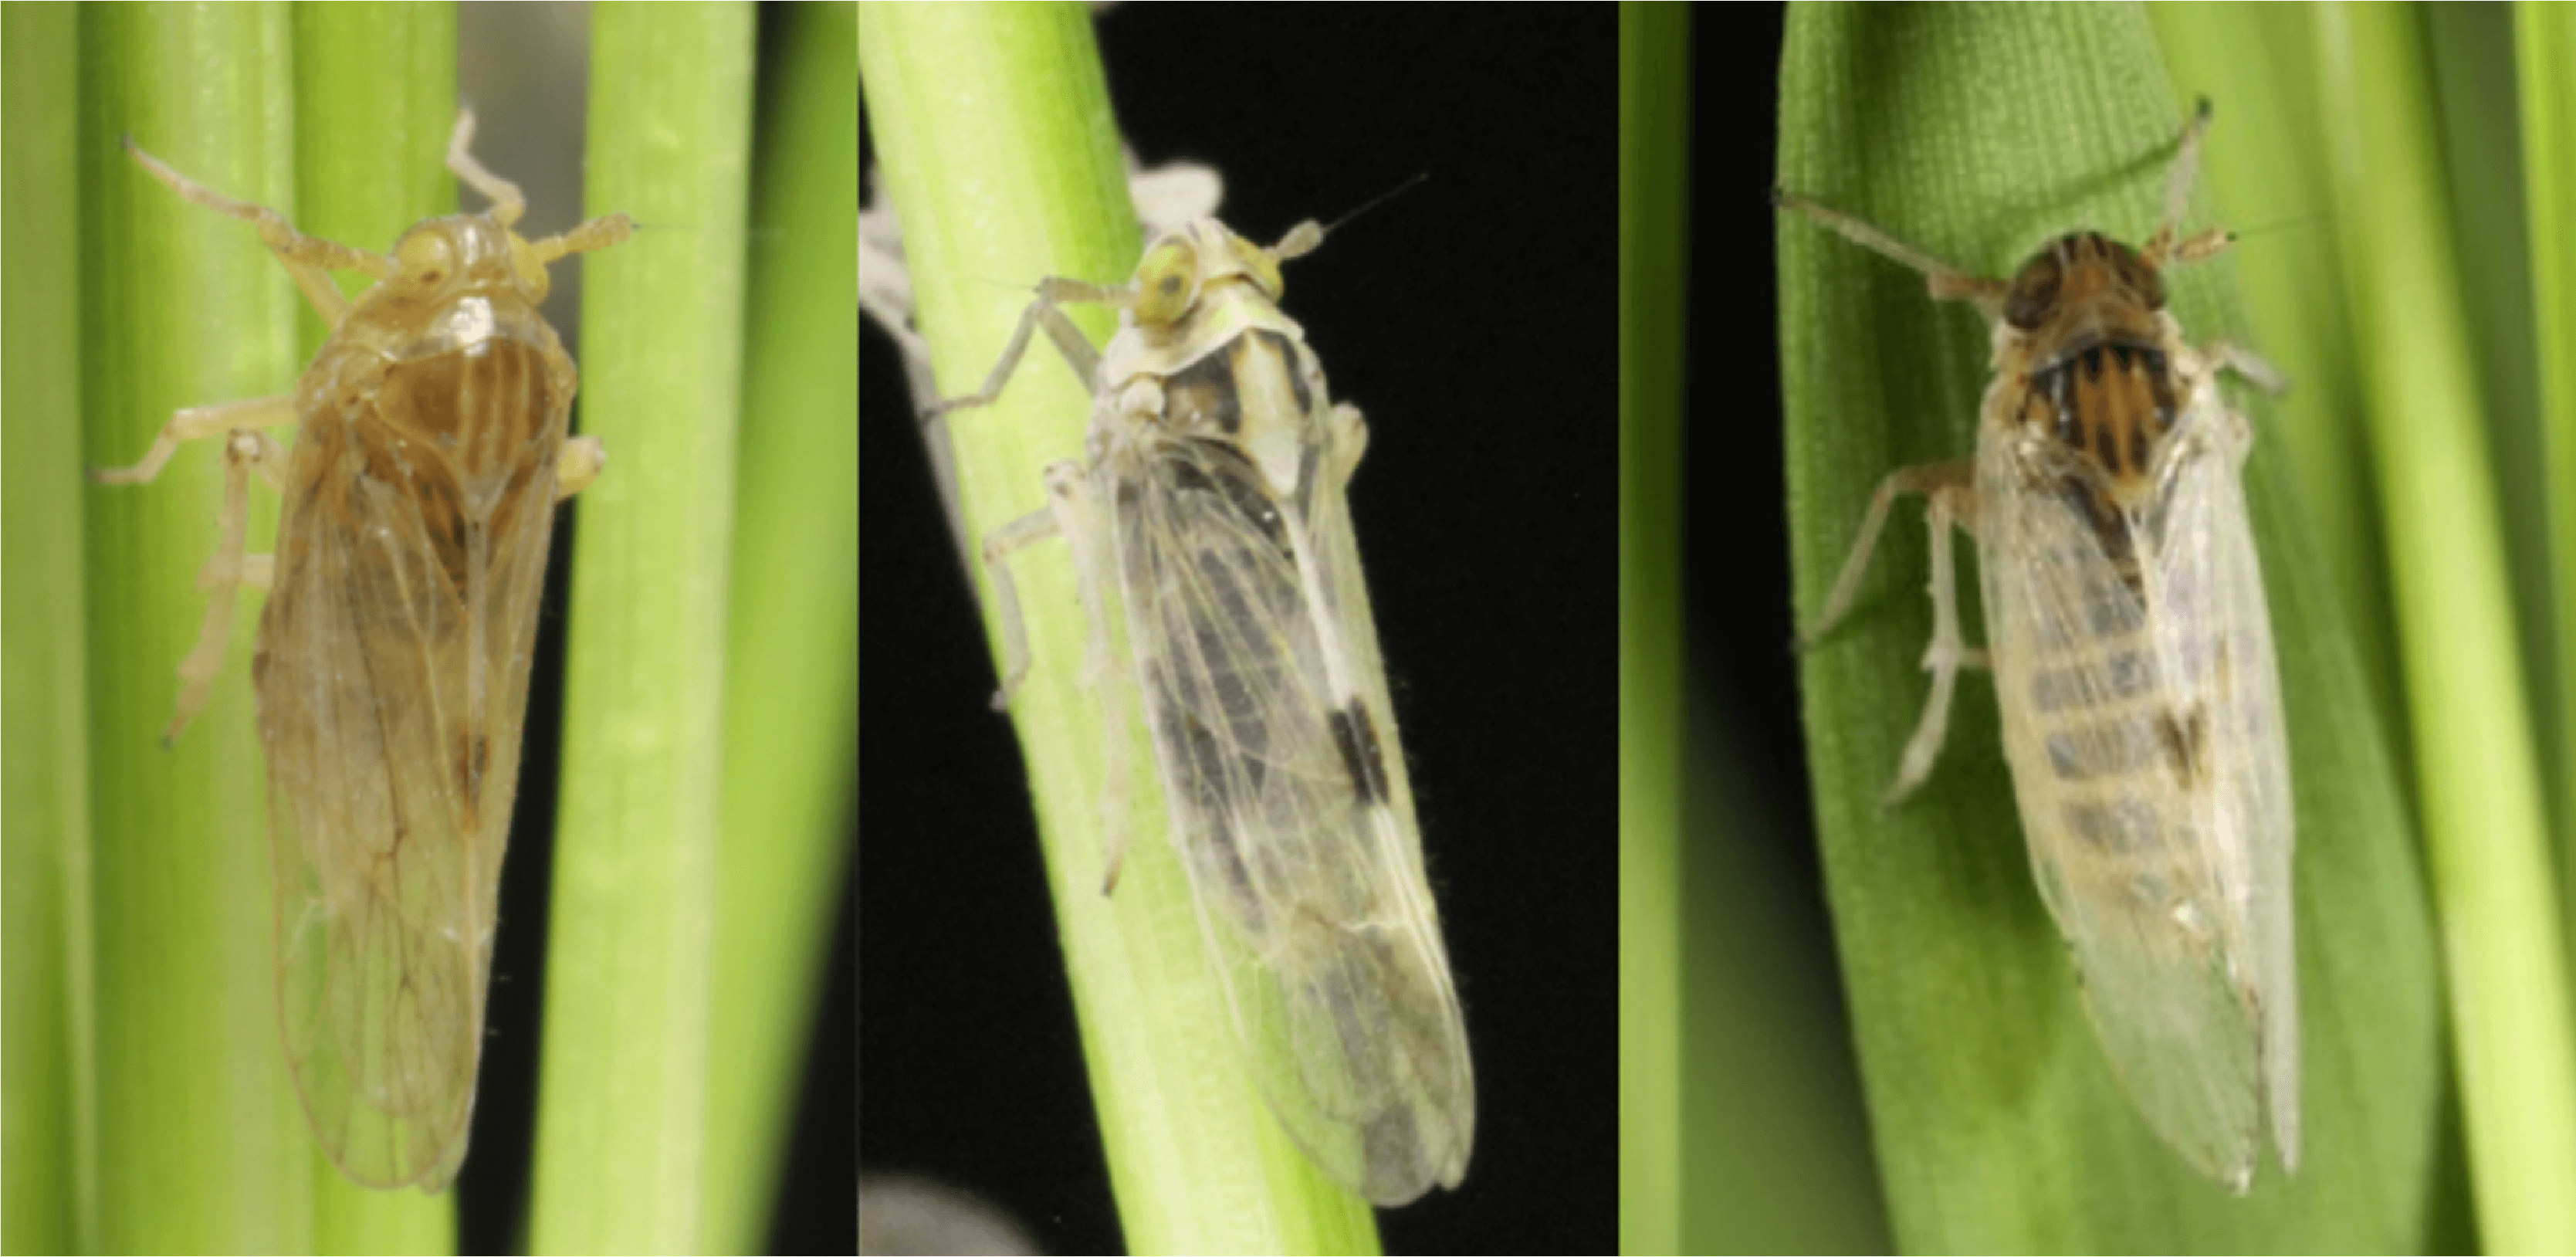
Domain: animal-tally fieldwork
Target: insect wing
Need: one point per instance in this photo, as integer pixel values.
(1290, 806)
(1434, 1071)
(2142, 720)
(392, 675)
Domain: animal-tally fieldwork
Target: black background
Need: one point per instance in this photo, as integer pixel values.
(1474, 320)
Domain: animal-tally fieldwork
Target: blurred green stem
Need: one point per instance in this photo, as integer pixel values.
(1654, 131)
(2484, 823)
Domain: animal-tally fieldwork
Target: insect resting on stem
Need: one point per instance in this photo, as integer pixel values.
(392, 662)
(2132, 656)
(1213, 496)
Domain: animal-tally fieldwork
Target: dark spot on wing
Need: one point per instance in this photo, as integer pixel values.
(2185, 740)
(1356, 736)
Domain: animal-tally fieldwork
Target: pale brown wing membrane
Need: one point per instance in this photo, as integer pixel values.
(392, 663)
(392, 681)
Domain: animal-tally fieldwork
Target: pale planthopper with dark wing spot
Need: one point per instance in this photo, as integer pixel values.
(1215, 488)
(392, 662)
(2132, 656)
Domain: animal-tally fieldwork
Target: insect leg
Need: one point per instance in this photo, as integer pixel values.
(1348, 437)
(1950, 505)
(999, 545)
(1920, 478)
(1068, 339)
(2224, 355)
(254, 570)
(222, 576)
(1085, 533)
(2178, 181)
(307, 258)
(582, 461)
(192, 422)
(1071, 514)
(507, 202)
(1946, 282)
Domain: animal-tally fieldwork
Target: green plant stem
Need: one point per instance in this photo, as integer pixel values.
(2484, 822)
(2546, 46)
(621, 1131)
(201, 1143)
(791, 679)
(47, 1160)
(1654, 112)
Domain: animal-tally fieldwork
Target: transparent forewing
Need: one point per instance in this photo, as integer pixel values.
(393, 674)
(1443, 1085)
(1287, 799)
(2205, 549)
(2142, 719)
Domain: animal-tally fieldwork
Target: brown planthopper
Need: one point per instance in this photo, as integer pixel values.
(392, 661)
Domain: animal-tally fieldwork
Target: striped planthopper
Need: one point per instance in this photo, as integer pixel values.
(2132, 656)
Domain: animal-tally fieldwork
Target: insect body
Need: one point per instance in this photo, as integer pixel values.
(1215, 478)
(392, 662)
(2132, 655)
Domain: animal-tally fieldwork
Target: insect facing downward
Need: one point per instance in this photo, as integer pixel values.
(1215, 479)
(2132, 655)
(392, 662)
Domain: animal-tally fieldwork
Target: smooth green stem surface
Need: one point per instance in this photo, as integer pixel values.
(791, 679)
(629, 971)
(2485, 827)
(1654, 177)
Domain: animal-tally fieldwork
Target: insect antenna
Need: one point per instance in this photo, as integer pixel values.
(1303, 238)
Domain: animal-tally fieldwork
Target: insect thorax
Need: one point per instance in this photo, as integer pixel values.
(466, 436)
(1236, 373)
(2089, 365)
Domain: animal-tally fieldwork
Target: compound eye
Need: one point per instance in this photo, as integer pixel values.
(427, 259)
(1167, 282)
(2034, 292)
